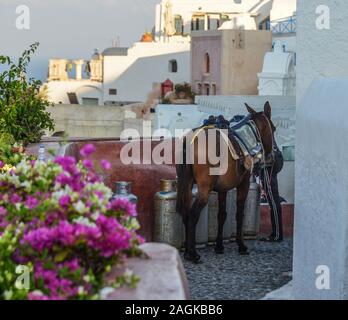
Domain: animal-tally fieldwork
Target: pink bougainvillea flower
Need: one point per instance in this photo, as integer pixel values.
(105, 164)
(88, 164)
(63, 179)
(87, 150)
(1, 164)
(67, 163)
(3, 211)
(123, 204)
(15, 198)
(31, 202)
(37, 296)
(99, 194)
(64, 201)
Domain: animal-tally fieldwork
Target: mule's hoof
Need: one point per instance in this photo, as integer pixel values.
(244, 252)
(195, 258)
(219, 250)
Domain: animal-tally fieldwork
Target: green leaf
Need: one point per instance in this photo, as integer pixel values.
(59, 257)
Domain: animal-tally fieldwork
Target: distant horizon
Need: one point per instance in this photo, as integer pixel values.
(72, 29)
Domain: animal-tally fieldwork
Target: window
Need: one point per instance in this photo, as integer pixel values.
(213, 89)
(213, 24)
(112, 92)
(173, 66)
(90, 101)
(207, 89)
(213, 21)
(198, 23)
(206, 63)
(179, 25)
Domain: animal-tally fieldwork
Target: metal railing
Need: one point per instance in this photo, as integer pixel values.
(283, 26)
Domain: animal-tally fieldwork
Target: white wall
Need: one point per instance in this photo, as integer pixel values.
(321, 202)
(188, 8)
(321, 53)
(321, 173)
(283, 9)
(88, 121)
(171, 117)
(57, 90)
(146, 63)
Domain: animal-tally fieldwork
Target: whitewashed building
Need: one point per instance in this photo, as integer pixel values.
(123, 75)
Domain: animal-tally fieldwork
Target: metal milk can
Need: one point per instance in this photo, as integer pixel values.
(168, 223)
(252, 211)
(213, 210)
(123, 190)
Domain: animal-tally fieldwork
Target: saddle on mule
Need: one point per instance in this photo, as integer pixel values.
(243, 141)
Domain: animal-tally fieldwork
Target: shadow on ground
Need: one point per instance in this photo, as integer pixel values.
(234, 277)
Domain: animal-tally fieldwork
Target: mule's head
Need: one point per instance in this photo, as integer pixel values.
(265, 128)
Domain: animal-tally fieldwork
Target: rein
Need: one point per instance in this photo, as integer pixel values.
(257, 134)
(268, 175)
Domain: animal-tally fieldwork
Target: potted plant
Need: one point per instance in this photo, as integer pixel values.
(147, 37)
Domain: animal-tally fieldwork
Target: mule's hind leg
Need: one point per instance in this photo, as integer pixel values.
(219, 248)
(242, 193)
(192, 220)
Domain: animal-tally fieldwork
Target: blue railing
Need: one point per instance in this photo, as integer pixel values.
(283, 26)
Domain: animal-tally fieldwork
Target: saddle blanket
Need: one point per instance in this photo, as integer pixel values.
(243, 132)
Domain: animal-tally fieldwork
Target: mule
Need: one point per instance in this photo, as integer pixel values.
(237, 176)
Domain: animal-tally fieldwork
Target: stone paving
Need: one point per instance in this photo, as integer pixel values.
(234, 277)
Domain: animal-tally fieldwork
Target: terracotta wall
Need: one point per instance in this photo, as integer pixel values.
(145, 178)
(288, 220)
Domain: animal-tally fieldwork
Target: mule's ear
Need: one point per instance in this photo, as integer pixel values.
(267, 110)
(250, 109)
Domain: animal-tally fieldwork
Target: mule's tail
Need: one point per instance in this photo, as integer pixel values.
(184, 184)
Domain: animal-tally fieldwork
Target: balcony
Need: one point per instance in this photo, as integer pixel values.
(283, 26)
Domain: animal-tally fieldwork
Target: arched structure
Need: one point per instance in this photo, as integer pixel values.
(278, 76)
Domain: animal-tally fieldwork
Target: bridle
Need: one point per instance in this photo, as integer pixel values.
(264, 161)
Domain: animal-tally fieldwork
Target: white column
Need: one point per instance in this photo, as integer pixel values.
(78, 65)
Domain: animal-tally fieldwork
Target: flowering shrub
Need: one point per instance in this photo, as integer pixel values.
(11, 155)
(56, 219)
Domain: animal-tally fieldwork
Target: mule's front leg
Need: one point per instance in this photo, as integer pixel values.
(242, 193)
(219, 248)
(193, 217)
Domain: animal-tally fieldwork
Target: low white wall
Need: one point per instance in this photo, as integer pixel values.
(88, 121)
(57, 90)
(171, 117)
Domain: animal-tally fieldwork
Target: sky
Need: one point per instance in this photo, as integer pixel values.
(72, 28)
